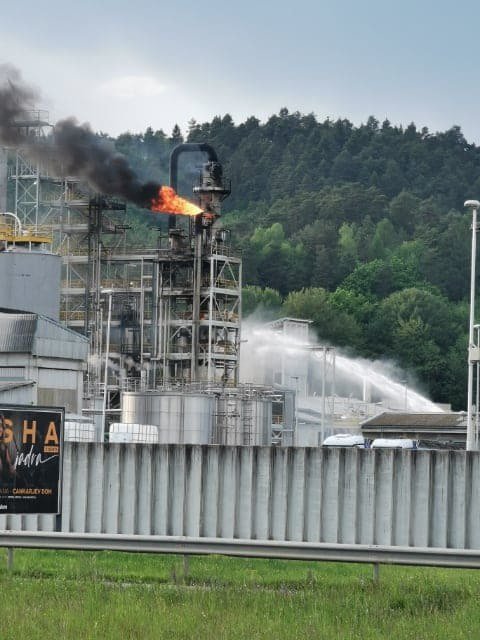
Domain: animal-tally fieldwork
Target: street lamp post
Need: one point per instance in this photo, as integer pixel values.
(473, 349)
(325, 351)
(476, 329)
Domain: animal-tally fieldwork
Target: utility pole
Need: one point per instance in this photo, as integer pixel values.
(473, 349)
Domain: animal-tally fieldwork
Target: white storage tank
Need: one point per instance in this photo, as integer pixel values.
(31, 281)
(198, 413)
(180, 418)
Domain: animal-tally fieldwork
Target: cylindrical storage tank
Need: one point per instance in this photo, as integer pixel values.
(133, 433)
(180, 418)
(198, 412)
(166, 411)
(31, 282)
(162, 410)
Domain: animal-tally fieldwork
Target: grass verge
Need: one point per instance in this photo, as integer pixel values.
(111, 595)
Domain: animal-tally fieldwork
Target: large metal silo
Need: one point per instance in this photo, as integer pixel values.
(30, 282)
(180, 418)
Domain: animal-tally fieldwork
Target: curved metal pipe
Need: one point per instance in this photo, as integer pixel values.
(186, 147)
(17, 221)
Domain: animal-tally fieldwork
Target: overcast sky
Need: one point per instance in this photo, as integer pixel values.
(124, 65)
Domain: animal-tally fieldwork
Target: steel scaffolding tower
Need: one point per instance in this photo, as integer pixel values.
(37, 194)
(45, 201)
(164, 315)
(197, 312)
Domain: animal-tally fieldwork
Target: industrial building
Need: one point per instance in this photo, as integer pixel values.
(41, 361)
(426, 428)
(162, 323)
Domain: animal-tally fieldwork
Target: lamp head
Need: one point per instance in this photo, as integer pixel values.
(471, 204)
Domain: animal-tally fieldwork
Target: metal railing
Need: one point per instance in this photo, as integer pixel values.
(72, 315)
(32, 117)
(28, 233)
(371, 554)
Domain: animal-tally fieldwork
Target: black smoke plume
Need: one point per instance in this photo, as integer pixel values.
(72, 150)
(15, 99)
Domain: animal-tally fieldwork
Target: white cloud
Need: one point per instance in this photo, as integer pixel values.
(128, 87)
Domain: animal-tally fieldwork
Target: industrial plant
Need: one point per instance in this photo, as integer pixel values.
(141, 343)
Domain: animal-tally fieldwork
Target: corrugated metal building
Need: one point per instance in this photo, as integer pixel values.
(435, 427)
(41, 361)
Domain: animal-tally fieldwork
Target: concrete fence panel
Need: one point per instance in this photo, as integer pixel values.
(339, 496)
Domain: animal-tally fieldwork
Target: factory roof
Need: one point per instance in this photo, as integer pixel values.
(281, 321)
(435, 427)
(36, 334)
(393, 419)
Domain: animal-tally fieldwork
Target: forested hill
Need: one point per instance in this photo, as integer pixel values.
(361, 229)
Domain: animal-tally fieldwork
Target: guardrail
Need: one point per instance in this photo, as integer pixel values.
(371, 554)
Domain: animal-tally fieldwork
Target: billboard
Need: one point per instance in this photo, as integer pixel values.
(31, 454)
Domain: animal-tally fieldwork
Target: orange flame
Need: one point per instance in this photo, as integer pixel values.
(167, 201)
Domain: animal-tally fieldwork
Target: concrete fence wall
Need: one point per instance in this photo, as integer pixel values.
(349, 496)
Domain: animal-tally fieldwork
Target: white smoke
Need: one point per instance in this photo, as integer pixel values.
(269, 357)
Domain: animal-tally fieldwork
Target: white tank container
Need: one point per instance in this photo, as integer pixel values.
(79, 431)
(133, 433)
(180, 418)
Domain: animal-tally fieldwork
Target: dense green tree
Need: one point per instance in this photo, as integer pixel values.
(453, 385)
(331, 324)
(412, 326)
(384, 239)
(347, 247)
(279, 262)
(176, 136)
(372, 279)
(402, 211)
(266, 303)
(407, 263)
(433, 310)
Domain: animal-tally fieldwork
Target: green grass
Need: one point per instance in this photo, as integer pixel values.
(110, 595)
